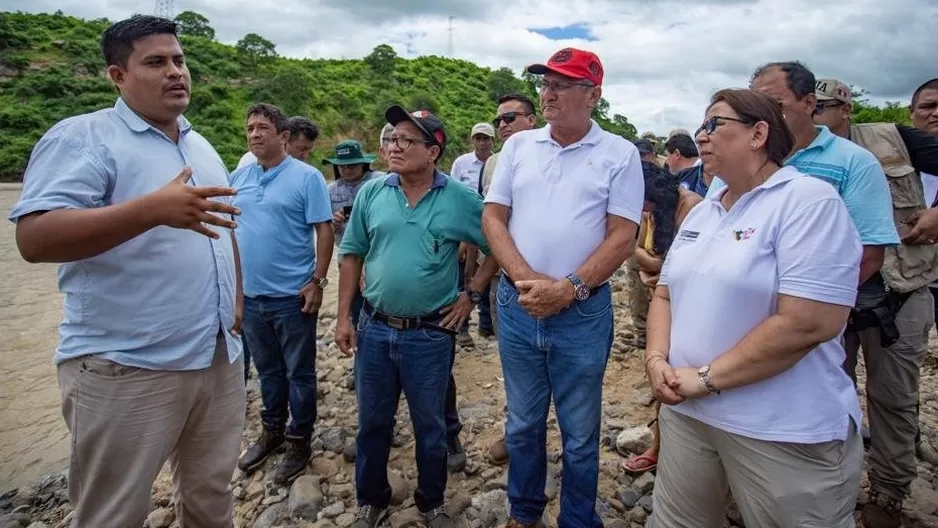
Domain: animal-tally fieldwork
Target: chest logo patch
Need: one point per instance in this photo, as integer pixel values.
(743, 234)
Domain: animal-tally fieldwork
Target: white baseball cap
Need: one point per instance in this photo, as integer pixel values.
(485, 129)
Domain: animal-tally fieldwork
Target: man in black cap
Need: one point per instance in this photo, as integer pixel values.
(647, 150)
(405, 229)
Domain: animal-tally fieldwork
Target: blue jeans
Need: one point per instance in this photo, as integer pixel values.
(389, 361)
(282, 340)
(563, 356)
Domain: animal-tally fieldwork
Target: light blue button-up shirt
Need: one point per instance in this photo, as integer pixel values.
(159, 300)
(278, 206)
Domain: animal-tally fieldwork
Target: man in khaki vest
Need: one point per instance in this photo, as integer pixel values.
(894, 311)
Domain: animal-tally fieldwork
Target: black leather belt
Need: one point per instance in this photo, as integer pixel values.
(511, 282)
(407, 323)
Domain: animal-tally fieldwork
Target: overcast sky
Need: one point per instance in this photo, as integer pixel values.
(663, 58)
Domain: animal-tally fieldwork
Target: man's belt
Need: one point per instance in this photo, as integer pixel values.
(511, 282)
(407, 323)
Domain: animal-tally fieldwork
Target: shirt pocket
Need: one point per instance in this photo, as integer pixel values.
(430, 251)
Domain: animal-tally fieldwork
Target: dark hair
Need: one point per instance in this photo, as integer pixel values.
(523, 99)
(117, 41)
(800, 79)
(661, 189)
(752, 107)
(931, 84)
(272, 113)
(301, 125)
(683, 144)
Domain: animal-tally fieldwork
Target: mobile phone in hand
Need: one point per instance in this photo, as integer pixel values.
(347, 211)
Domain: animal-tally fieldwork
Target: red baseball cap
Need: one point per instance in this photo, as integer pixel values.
(573, 63)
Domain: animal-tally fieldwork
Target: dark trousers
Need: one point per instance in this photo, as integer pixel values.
(282, 340)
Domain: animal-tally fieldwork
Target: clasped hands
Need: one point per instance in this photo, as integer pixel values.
(670, 385)
(543, 296)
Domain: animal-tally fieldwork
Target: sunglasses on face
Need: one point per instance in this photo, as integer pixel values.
(822, 105)
(709, 126)
(509, 117)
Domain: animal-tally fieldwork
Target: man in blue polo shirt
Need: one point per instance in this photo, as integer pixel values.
(405, 228)
(283, 200)
(851, 169)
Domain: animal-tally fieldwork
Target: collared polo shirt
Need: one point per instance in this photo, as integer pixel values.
(159, 300)
(560, 196)
(790, 236)
(342, 193)
(467, 169)
(411, 253)
(278, 208)
(856, 175)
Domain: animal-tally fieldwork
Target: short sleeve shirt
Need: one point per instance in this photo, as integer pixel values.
(791, 236)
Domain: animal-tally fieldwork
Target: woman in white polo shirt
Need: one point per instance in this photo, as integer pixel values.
(744, 338)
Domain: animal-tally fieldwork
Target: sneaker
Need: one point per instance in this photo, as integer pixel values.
(438, 518)
(294, 461)
(267, 444)
(369, 516)
(455, 455)
(881, 512)
(464, 340)
(497, 453)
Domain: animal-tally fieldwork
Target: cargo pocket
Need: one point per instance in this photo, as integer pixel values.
(906, 266)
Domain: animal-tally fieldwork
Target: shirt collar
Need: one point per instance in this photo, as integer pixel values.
(439, 180)
(781, 176)
(592, 137)
(823, 140)
(137, 124)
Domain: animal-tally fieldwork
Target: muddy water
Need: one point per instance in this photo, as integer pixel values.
(33, 437)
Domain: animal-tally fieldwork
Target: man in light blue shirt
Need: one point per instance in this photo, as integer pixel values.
(283, 200)
(149, 360)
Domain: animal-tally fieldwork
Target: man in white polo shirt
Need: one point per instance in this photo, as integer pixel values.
(561, 216)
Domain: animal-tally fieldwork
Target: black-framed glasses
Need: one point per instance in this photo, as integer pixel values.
(509, 117)
(710, 125)
(822, 105)
(404, 142)
(559, 86)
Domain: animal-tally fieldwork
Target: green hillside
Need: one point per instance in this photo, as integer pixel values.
(51, 68)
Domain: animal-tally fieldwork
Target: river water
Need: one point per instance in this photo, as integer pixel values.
(33, 437)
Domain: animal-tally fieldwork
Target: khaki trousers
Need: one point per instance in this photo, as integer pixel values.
(639, 300)
(892, 378)
(776, 484)
(125, 422)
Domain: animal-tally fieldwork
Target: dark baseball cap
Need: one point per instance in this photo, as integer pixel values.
(431, 126)
(645, 146)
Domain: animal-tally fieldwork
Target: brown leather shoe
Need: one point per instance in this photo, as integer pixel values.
(498, 452)
(881, 512)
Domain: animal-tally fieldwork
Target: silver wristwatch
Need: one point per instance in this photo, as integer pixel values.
(704, 374)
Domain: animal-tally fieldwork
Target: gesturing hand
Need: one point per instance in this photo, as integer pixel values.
(184, 206)
(345, 335)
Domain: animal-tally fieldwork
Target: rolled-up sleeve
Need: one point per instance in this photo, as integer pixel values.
(62, 173)
(819, 251)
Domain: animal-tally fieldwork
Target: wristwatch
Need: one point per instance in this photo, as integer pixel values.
(474, 297)
(580, 291)
(704, 374)
(322, 283)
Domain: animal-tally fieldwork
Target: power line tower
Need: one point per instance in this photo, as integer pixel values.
(164, 9)
(451, 36)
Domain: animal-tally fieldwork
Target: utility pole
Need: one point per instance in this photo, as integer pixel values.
(164, 9)
(451, 36)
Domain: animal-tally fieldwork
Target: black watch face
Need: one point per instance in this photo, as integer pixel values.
(475, 297)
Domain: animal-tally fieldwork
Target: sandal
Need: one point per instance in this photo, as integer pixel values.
(633, 464)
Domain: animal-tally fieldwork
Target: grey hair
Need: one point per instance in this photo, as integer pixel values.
(385, 132)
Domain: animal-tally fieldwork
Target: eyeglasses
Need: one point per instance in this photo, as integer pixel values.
(404, 142)
(709, 126)
(821, 105)
(559, 86)
(509, 117)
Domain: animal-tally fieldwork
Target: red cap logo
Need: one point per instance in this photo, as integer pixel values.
(573, 63)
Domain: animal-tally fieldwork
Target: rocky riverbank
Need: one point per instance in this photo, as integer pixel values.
(325, 496)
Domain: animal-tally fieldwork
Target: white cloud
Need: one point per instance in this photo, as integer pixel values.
(663, 58)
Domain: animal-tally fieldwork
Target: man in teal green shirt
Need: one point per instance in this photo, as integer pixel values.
(406, 229)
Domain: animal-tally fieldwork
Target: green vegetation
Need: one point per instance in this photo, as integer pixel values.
(51, 68)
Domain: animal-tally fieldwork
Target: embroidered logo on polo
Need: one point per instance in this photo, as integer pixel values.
(688, 236)
(743, 234)
(562, 56)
